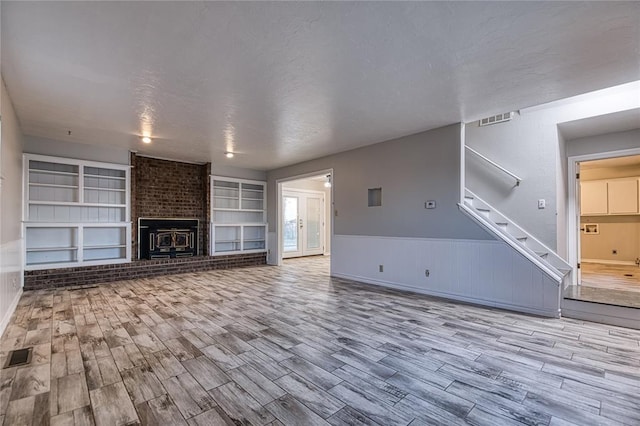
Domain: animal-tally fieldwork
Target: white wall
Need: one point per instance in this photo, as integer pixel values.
(529, 147)
(11, 270)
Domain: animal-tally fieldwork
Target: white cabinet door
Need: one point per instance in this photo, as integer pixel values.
(623, 196)
(593, 197)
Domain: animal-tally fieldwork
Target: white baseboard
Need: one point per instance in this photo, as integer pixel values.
(609, 262)
(7, 316)
(450, 296)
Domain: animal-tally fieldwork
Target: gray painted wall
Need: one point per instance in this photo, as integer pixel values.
(529, 147)
(238, 172)
(58, 148)
(10, 207)
(617, 141)
(410, 171)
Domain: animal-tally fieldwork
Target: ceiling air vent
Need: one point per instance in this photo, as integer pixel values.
(500, 118)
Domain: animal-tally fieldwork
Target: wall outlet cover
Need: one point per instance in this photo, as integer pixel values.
(542, 203)
(430, 204)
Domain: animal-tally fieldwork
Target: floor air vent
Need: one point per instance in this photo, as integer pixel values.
(500, 118)
(18, 357)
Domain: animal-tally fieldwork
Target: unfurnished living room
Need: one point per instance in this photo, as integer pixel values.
(319, 213)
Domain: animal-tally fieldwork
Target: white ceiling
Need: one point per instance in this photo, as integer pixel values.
(281, 83)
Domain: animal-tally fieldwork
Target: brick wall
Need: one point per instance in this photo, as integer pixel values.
(89, 275)
(170, 189)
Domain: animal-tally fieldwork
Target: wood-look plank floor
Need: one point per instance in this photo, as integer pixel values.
(291, 346)
(614, 277)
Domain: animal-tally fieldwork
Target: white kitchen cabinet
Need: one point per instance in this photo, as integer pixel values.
(593, 198)
(623, 196)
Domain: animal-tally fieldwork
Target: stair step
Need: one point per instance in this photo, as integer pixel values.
(542, 254)
(502, 223)
(564, 271)
(522, 239)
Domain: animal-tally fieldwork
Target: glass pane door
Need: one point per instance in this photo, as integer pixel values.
(290, 225)
(314, 223)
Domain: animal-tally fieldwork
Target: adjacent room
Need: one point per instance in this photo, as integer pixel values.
(319, 213)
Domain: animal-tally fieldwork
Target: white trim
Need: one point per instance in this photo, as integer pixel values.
(7, 316)
(463, 161)
(572, 209)
(496, 165)
(419, 239)
(448, 296)
(609, 262)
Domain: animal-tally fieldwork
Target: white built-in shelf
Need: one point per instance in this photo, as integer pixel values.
(238, 213)
(51, 248)
(76, 212)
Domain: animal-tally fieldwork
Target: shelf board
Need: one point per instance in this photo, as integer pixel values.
(29, 250)
(75, 204)
(239, 210)
(252, 199)
(53, 172)
(226, 197)
(227, 241)
(105, 189)
(53, 185)
(254, 240)
(104, 247)
(104, 177)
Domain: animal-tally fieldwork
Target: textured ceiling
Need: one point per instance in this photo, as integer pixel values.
(280, 83)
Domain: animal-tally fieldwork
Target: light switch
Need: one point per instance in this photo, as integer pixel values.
(542, 203)
(430, 204)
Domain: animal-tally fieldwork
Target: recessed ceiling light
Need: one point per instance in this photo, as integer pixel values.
(229, 154)
(145, 139)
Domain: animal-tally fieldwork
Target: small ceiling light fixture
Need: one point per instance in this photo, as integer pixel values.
(229, 154)
(145, 139)
(327, 183)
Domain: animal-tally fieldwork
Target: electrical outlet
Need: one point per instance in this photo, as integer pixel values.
(430, 204)
(380, 268)
(614, 251)
(542, 203)
(427, 273)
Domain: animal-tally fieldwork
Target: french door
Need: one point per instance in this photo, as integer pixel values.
(303, 223)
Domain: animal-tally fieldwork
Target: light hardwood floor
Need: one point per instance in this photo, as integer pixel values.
(289, 345)
(614, 277)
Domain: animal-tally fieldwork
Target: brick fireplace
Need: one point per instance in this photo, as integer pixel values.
(162, 189)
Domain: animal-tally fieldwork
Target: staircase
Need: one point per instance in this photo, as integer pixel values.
(515, 236)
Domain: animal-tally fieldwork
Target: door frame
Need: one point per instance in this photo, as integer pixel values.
(573, 235)
(323, 216)
(279, 208)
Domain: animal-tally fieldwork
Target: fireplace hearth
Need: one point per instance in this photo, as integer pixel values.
(167, 238)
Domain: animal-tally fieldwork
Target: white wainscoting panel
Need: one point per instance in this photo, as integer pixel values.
(483, 272)
(11, 277)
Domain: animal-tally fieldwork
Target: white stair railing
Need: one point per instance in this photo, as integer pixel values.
(494, 164)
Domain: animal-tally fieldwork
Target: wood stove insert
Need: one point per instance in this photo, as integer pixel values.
(167, 238)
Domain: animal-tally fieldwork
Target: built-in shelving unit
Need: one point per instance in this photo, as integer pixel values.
(76, 212)
(238, 216)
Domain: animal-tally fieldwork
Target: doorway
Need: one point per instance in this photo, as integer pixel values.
(304, 216)
(605, 219)
(303, 223)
